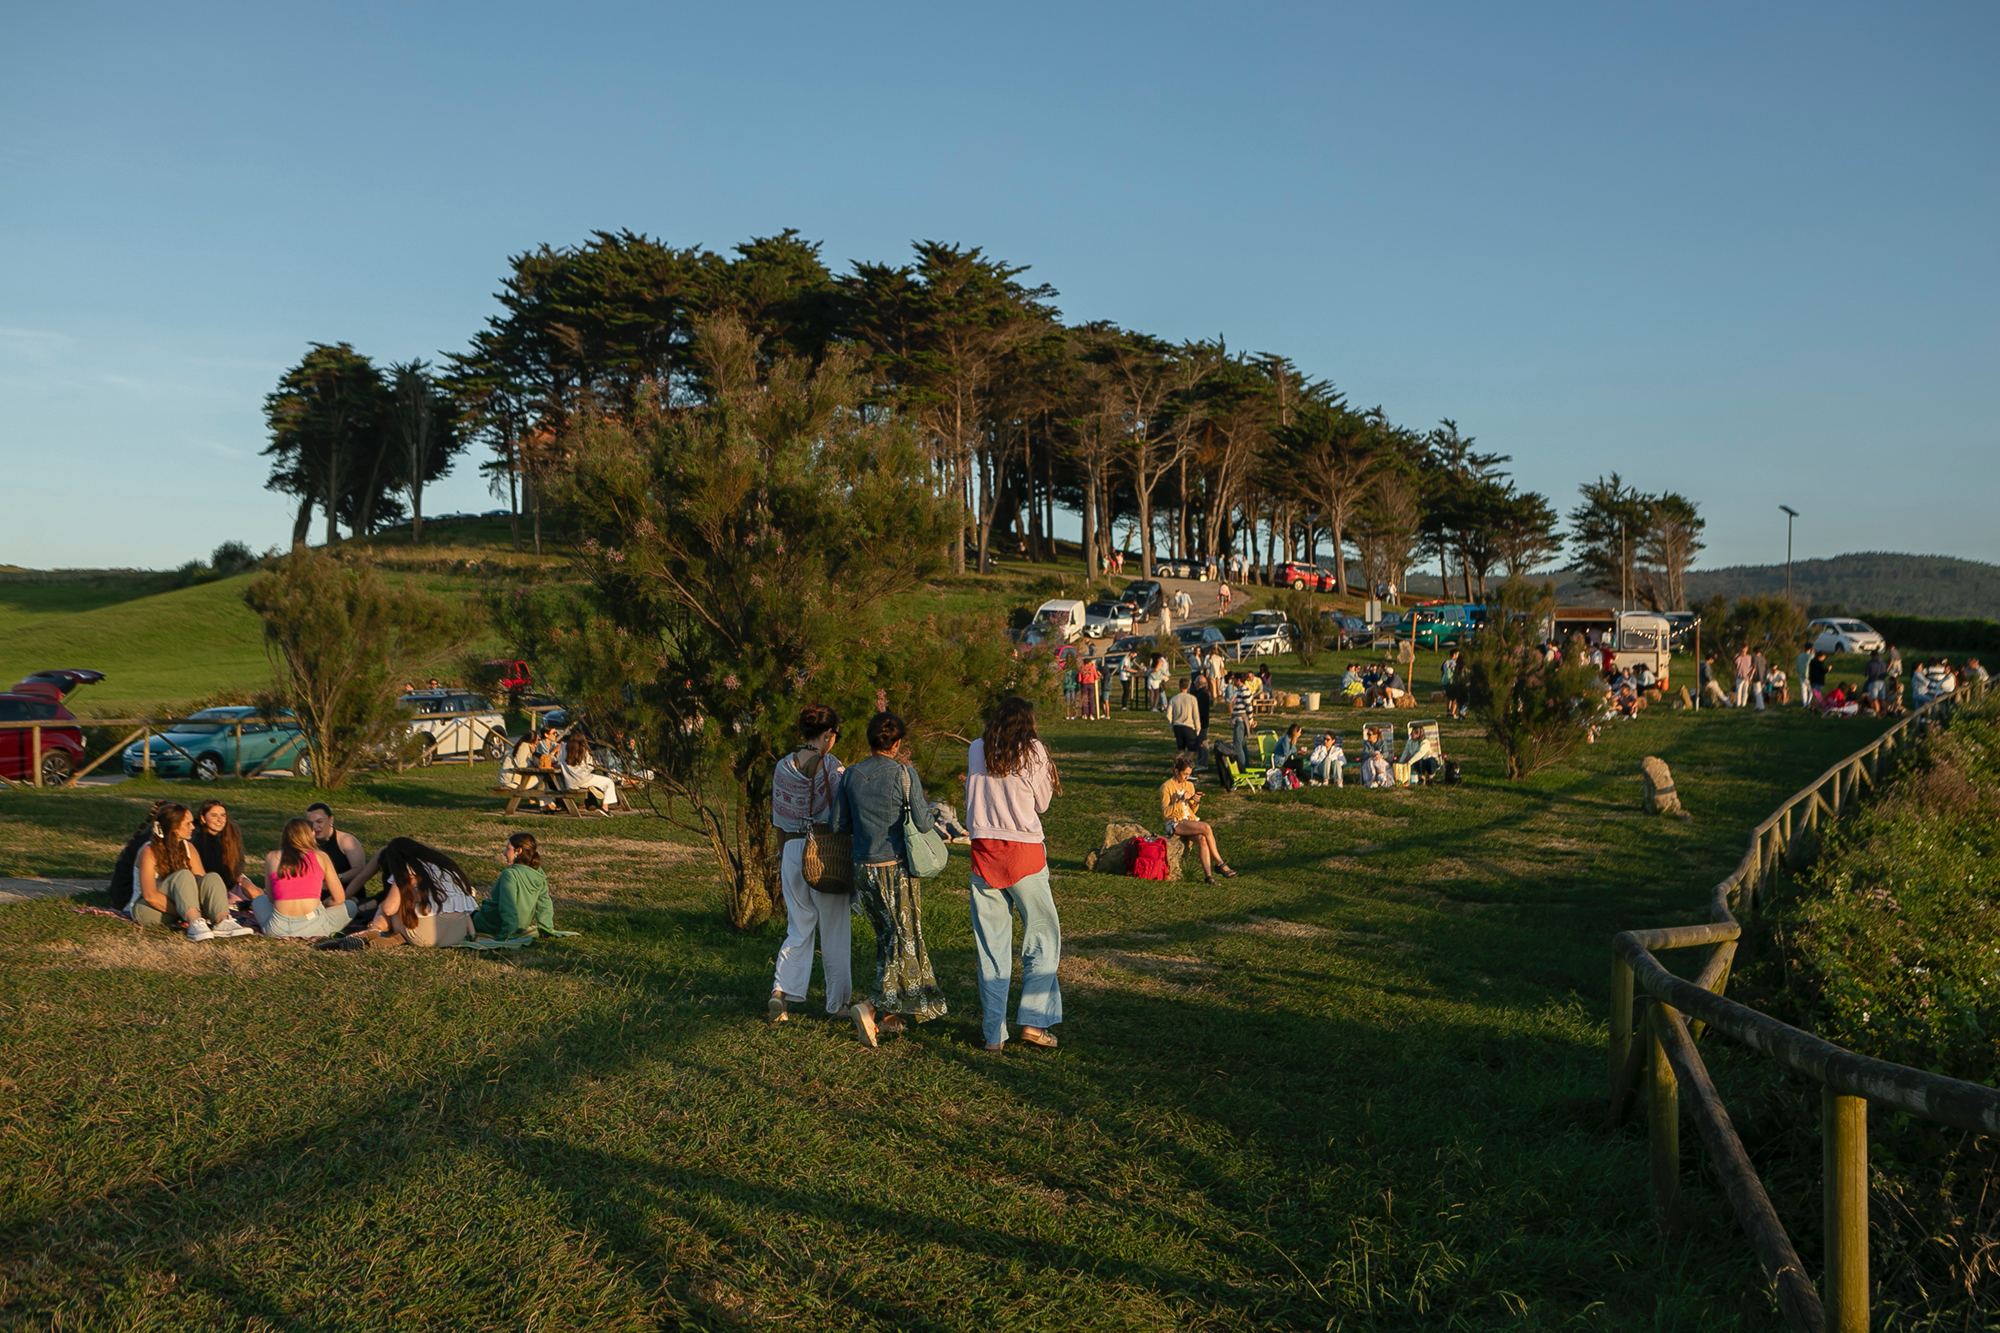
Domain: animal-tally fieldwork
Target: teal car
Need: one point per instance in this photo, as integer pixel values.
(1441, 625)
(221, 742)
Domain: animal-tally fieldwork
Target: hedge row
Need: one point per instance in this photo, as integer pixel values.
(1962, 636)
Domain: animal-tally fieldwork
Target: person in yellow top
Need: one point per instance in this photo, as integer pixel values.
(1180, 804)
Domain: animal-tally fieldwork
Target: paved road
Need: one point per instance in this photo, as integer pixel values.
(20, 890)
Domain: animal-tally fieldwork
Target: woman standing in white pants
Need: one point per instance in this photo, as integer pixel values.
(803, 791)
(1009, 780)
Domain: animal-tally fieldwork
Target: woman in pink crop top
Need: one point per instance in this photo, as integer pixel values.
(302, 898)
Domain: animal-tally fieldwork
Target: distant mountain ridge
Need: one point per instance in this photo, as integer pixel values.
(1858, 583)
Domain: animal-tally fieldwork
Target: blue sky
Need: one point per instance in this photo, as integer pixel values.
(1745, 252)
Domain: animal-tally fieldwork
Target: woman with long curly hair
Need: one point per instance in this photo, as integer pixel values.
(170, 885)
(426, 900)
(1009, 781)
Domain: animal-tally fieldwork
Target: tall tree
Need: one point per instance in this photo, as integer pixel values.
(1605, 532)
(423, 418)
(1528, 535)
(1340, 452)
(326, 423)
(1671, 540)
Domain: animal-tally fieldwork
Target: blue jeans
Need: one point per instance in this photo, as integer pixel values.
(1041, 953)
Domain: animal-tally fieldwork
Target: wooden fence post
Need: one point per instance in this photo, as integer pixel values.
(35, 755)
(1663, 1124)
(146, 753)
(1844, 1156)
(239, 750)
(1621, 1024)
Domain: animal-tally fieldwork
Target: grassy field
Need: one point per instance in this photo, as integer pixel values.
(1360, 1086)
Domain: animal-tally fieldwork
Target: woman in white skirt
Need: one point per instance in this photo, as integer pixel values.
(580, 774)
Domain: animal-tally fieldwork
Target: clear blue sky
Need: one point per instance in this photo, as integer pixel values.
(1747, 252)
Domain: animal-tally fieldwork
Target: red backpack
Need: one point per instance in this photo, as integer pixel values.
(1149, 858)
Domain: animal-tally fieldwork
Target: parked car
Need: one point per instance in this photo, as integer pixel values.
(1264, 638)
(62, 739)
(1102, 619)
(1844, 636)
(1146, 596)
(1300, 576)
(1345, 631)
(1124, 646)
(1196, 638)
(1440, 624)
(476, 728)
(219, 742)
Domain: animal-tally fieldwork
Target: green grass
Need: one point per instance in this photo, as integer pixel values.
(1360, 1086)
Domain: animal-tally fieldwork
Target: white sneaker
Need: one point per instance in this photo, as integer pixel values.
(229, 928)
(197, 930)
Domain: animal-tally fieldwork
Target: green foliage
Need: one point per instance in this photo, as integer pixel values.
(1767, 621)
(231, 558)
(339, 637)
(1534, 711)
(1938, 635)
(1308, 630)
(744, 555)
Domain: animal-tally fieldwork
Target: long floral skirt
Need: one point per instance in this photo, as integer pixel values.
(903, 980)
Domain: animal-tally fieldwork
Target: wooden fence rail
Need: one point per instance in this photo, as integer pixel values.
(1658, 1046)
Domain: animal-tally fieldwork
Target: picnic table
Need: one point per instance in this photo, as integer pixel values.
(549, 786)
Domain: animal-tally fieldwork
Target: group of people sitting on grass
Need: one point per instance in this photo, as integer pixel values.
(1377, 685)
(185, 870)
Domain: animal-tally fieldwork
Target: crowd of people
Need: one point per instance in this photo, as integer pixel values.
(186, 870)
(1757, 681)
(851, 842)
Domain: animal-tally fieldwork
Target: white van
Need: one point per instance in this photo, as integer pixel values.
(1635, 637)
(1062, 617)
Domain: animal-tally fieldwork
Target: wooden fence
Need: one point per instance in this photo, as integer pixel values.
(1657, 1046)
(146, 730)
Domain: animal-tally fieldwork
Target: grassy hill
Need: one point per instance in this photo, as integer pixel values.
(1855, 584)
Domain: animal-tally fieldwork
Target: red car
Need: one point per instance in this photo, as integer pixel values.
(39, 698)
(512, 674)
(1297, 575)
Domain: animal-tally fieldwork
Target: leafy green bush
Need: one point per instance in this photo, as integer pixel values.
(1963, 635)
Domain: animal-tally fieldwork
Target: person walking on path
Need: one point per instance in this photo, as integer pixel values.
(1184, 716)
(1009, 781)
(1222, 597)
(873, 795)
(804, 789)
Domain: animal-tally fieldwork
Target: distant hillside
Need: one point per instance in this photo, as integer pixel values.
(1859, 583)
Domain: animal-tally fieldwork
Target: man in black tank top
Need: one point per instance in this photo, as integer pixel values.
(343, 849)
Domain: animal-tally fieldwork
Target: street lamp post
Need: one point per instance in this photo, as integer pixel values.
(1790, 514)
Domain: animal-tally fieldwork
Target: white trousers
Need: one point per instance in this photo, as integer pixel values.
(606, 789)
(808, 910)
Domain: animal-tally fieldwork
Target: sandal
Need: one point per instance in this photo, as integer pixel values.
(1036, 1038)
(1227, 873)
(864, 1023)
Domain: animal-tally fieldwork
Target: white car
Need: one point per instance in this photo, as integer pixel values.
(1263, 638)
(1844, 636)
(456, 724)
(1102, 619)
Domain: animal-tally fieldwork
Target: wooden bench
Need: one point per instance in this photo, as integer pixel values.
(551, 787)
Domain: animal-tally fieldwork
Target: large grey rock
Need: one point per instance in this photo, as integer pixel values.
(1661, 798)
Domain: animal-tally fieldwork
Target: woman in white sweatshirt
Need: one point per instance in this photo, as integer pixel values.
(1009, 781)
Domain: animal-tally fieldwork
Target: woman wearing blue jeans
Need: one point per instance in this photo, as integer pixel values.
(1009, 780)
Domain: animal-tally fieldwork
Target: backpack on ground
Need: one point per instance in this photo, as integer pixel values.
(1449, 775)
(1149, 858)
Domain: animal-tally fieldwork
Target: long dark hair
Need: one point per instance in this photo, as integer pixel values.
(435, 872)
(230, 840)
(169, 853)
(1010, 741)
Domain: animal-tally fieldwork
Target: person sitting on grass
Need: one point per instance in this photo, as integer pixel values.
(580, 774)
(1179, 805)
(220, 843)
(343, 849)
(303, 898)
(1351, 687)
(170, 886)
(1290, 754)
(519, 902)
(1374, 758)
(1420, 754)
(1327, 763)
(427, 899)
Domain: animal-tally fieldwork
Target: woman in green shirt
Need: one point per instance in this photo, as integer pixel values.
(519, 901)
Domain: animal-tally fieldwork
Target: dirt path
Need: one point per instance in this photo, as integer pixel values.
(20, 890)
